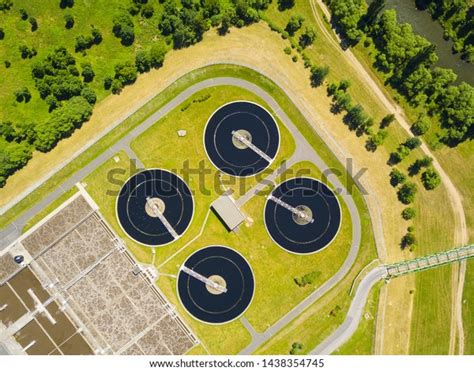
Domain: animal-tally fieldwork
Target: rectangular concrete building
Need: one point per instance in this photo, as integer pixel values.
(228, 212)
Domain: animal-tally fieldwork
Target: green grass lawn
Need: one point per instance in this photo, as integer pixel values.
(51, 34)
(362, 342)
(468, 309)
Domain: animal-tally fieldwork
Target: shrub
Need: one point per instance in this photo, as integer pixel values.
(2, 33)
(33, 24)
(296, 348)
(69, 21)
(23, 14)
(123, 28)
(408, 213)
(430, 179)
(307, 279)
(7, 63)
(287, 50)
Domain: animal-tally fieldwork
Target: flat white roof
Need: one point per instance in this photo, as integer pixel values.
(227, 210)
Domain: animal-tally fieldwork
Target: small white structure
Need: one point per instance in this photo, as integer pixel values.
(227, 210)
(182, 133)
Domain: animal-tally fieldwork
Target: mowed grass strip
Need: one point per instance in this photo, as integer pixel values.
(468, 309)
(363, 340)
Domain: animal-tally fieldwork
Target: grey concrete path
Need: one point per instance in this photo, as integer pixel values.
(349, 326)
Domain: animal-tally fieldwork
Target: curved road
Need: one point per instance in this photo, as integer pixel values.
(349, 326)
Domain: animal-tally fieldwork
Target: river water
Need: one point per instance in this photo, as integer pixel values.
(430, 29)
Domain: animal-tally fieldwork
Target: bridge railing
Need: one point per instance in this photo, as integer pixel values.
(430, 261)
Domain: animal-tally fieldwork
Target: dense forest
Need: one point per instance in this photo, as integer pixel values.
(457, 19)
(408, 60)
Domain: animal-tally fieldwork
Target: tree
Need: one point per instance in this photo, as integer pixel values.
(408, 240)
(23, 95)
(157, 55)
(376, 140)
(87, 72)
(69, 21)
(387, 120)
(23, 14)
(398, 156)
(286, 4)
(142, 61)
(33, 24)
(318, 74)
(372, 14)
(406, 193)
(117, 86)
(89, 95)
(421, 126)
(147, 10)
(27, 52)
(340, 101)
(307, 37)
(123, 28)
(430, 179)
(126, 73)
(5, 5)
(294, 24)
(408, 213)
(66, 4)
(457, 113)
(397, 177)
(108, 82)
(412, 143)
(347, 15)
(62, 122)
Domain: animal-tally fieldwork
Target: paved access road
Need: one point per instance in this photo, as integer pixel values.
(349, 326)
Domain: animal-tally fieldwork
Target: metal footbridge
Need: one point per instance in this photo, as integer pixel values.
(429, 261)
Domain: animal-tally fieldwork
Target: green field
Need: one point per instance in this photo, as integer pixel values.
(52, 33)
(468, 309)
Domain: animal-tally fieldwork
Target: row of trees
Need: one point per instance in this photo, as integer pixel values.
(408, 60)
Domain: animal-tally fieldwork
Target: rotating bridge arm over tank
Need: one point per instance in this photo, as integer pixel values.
(252, 146)
(203, 279)
(293, 210)
(159, 214)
